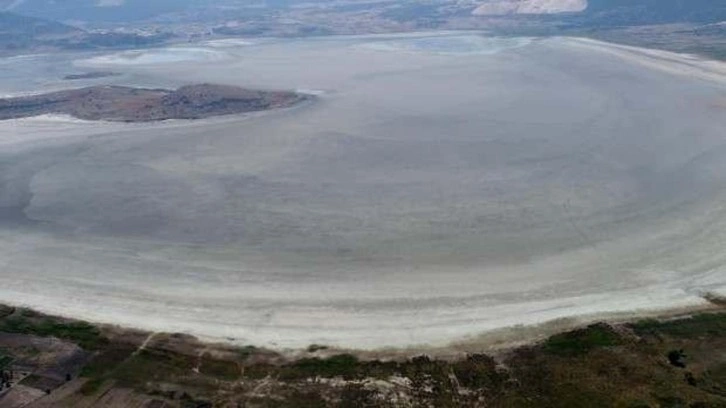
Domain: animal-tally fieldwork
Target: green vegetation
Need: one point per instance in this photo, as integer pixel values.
(316, 347)
(4, 361)
(6, 311)
(650, 363)
(247, 351)
(219, 369)
(707, 324)
(101, 368)
(596, 366)
(106, 360)
(152, 364)
(344, 365)
(127, 367)
(676, 358)
(27, 322)
(578, 342)
(714, 380)
(479, 371)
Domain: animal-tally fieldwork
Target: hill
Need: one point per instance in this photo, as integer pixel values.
(20, 32)
(638, 12)
(15, 24)
(96, 11)
(125, 104)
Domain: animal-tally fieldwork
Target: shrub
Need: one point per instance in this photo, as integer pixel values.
(578, 342)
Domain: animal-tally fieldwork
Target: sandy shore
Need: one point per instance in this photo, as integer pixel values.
(692, 66)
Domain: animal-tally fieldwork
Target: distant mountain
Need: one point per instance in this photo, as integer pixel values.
(600, 12)
(142, 23)
(639, 12)
(12, 24)
(116, 11)
(101, 12)
(21, 32)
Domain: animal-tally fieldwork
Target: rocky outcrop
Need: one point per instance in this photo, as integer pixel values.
(125, 104)
(90, 75)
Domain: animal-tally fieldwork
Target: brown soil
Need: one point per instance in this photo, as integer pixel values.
(126, 104)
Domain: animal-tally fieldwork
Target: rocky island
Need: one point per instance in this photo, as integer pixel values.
(128, 104)
(90, 75)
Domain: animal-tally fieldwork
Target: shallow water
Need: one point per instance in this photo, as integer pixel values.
(439, 187)
(159, 56)
(453, 44)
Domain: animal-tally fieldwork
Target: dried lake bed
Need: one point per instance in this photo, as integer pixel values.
(441, 186)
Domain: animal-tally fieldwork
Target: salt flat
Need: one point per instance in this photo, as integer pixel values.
(441, 186)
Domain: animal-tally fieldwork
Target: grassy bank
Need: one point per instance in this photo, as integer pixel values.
(650, 363)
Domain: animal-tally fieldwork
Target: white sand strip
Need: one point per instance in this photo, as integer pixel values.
(689, 65)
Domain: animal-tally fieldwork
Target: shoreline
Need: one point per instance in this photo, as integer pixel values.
(682, 64)
(494, 342)
(498, 342)
(540, 317)
(73, 363)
